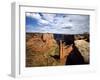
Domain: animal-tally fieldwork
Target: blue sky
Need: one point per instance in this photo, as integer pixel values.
(57, 23)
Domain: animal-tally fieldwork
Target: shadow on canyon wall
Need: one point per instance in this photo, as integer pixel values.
(43, 49)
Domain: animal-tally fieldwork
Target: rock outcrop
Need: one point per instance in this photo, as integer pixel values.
(40, 48)
(83, 47)
(45, 49)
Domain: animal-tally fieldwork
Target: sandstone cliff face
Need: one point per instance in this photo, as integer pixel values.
(39, 49)
(42, 49)
(83, 47)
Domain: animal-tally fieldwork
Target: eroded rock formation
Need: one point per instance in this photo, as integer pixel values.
(40, 48)
(83, 47)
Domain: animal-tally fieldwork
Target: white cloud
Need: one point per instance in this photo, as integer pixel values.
(33, 15)
(54, 23)
(37, 17)
(43, 22)
(49, 17)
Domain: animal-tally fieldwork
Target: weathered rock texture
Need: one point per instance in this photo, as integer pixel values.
(83, 47)
(40, 48)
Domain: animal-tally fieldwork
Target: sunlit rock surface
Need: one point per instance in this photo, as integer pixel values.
(39, 49)
(83, 47)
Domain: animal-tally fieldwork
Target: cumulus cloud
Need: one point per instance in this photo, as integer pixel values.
(60, 23)
(38, 17)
